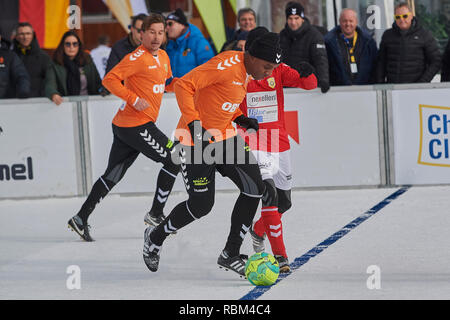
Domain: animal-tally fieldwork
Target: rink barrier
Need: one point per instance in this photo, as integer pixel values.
(351, 137)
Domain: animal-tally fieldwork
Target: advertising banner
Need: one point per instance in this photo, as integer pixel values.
(421, 132)
(37, 150)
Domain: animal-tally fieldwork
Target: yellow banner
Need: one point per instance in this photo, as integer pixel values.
(56, 17)
(122, 10)
(212, 16)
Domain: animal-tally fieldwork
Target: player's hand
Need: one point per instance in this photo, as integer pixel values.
(305, 69)
(57, 99)
(247, 123)
(141, 104)
(200, 137)
(324, 86)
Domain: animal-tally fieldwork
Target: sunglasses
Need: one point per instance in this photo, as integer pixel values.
(170, 23)
(404, 16)
(71, 44)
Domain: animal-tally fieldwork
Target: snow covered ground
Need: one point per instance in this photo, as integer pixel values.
(407, 241)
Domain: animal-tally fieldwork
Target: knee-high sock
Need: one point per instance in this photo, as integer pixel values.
(274, 230)
(259, 228)
(241, 220)
(164, 186)
(99, 190)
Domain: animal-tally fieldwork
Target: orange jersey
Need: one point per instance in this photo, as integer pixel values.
(212, 94)
(144, 76)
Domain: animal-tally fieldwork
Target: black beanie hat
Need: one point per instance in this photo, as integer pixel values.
(178, 16)
(295, 8)
(252, 35)
(267, 47)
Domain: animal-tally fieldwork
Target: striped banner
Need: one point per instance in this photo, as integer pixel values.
(124, 9)
(48, 18)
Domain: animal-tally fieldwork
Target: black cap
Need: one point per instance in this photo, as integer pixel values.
(267, 47)
(178, 16)
(295, 8)
(253, 34)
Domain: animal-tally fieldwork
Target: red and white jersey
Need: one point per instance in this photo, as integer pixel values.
(265, 102)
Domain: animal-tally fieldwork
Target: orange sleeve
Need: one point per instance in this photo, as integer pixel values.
(171, 85)
(186, 87)
(237, 114)
(113, 80)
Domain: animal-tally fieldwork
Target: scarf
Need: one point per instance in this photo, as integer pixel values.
(73, 76)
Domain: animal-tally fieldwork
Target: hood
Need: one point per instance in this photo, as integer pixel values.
(34, 45)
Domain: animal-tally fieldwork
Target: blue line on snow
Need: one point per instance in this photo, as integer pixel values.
(298, 262)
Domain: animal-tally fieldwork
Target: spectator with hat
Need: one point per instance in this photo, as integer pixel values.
(187, 47)
(246, 18)
(302, 42)
(14, 78)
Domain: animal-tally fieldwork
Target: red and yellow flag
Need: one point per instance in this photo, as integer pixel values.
(49, 19)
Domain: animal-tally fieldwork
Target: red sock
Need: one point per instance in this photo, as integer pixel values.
(259, 228)
(274, 230)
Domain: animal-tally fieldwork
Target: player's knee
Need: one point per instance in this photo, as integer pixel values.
(171, 167)
(200, 206)
(270, 196)
(284, 200)
(109, 184)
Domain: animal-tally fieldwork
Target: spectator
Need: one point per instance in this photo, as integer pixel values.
(128, 44)
(72, 71)
(14, 78)
(238, 44)
(100, 54)
(408, 53)
(445, 76)
(187, 47)
(302, 42)
(352, 52)
(36, 61)
(246, 19)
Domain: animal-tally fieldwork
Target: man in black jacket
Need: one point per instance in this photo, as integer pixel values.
(128, 44)
(300, 41)
(408, 53)
(352, 52)
(14, 79)
(36, 61)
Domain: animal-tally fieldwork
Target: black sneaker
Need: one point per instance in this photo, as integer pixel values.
(257, 241)
(151, 251)
(80, 227)
(236, 264)
(283, 264)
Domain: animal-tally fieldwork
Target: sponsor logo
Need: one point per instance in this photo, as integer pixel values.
(434, 147)
(230, 107)
(159, 88)
(17, 171)
(262, 99)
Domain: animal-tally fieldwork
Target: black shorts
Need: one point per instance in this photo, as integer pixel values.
(233, 160)
(128, 143)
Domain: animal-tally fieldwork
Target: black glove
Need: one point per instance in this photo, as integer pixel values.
(200, 137)
(305, 69)
(324, 86)
(103, 91)
(247, 123)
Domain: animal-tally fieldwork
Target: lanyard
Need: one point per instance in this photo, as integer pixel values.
(352, 49)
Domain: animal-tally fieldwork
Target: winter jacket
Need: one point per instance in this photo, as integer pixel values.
(119, 50)
(445, 76)
(56, 80)
(305, 44)
(14, 78)
(36, 62)
(188, 51)
(365, 53)
(407, 57)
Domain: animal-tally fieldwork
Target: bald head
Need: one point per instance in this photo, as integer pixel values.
(348, 21)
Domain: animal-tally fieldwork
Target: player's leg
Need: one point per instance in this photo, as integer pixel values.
(154, 144)
(121, 157)
(199, 180)
(244, 172)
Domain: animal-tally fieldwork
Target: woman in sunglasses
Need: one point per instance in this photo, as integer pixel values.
(72, 71)
(408, 53)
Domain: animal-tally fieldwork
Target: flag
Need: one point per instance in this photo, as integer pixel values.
(48, 18)
(212, 16)
(124, 9)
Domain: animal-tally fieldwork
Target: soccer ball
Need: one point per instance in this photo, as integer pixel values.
(262, 269)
